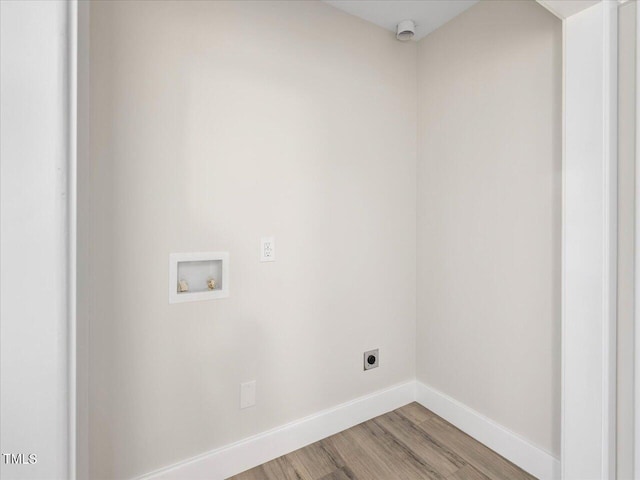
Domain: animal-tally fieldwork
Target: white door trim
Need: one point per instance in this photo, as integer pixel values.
(36, 219)
(589, 238)
(72, 164)
(636, 448)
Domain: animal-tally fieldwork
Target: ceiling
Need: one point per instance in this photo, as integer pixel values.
(427, 14)
(564, 8)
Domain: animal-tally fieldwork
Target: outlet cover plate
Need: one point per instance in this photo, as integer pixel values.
(371, 363)
(248, 394)
(267, 249)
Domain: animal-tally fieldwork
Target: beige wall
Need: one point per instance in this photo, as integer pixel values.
(489, 215)
(216, 123)
(626, 235)
(213, 124)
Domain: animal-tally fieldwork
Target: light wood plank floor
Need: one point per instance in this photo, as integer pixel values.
(410, 443)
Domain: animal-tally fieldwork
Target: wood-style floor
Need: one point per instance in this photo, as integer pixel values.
(408, 443)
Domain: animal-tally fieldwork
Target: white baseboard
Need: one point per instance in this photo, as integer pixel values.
(237, 457)
(253, 451)
(532, 459)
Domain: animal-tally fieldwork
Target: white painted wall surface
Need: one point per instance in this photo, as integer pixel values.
(33, 203)
(489, 215)
(214, 124)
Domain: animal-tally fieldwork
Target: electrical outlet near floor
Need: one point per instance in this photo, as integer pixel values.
(371, 359)
(248, 394)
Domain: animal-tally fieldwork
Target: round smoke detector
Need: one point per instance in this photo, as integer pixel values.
(406, 30)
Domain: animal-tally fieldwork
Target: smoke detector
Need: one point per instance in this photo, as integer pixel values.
(406, 30)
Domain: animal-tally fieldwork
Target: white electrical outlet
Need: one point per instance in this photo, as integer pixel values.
(267, 249)
(248, 394)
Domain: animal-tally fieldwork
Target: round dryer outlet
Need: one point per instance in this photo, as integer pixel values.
(371, 359)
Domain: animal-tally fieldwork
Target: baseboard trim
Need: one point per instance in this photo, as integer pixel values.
(240, 456)
(237, 457)
(510, 445)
